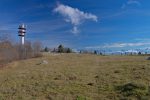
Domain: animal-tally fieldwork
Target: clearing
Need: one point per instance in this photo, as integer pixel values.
(76, 77)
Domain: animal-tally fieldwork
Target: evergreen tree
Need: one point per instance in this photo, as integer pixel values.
(101, 53)
(139, 53)
(46, 49)
(95, 52)
(60, 49)
(69, 50)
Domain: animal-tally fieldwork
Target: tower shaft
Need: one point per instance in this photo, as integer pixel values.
(22, 40)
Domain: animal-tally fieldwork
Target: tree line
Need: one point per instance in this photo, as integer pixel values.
(59, 49)
(10, 51)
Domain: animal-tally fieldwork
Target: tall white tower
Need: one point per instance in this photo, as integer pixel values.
(21, 33)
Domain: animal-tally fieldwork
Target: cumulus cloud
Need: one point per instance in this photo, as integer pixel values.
(131, 2)
(74, 16)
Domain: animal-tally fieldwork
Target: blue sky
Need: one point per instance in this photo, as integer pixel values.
(80, 24)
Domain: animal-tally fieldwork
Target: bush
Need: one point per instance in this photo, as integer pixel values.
(10, 51)
(132, 89)
(81, 98)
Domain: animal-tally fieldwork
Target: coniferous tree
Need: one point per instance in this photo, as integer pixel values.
(69, 50)
(60, 49)
(46, 49)
(95, 52)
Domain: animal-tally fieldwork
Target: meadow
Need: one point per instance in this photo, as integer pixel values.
(76, 77)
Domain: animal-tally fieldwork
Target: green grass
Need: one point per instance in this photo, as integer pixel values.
(75, 77)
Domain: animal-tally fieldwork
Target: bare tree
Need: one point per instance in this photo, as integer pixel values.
(9, 51)
(28, 49)
(37, 47)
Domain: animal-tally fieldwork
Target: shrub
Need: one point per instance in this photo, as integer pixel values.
(81, 98)
(10, 51)
(132, 89)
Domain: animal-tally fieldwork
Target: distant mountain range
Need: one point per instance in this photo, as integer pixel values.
(115, 52)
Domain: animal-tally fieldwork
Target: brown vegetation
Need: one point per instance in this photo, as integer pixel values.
(76, 77)
(10, 51)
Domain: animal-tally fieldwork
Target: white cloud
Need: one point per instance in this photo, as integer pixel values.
(131, 2)
(119, 45)
(74, 16)
(75, 30)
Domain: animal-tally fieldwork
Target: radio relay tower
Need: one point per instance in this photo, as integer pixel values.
(21, 33)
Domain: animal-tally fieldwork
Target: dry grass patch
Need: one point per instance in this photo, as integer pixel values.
(72, 77)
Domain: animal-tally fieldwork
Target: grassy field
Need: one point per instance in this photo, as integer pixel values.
(76, 77)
